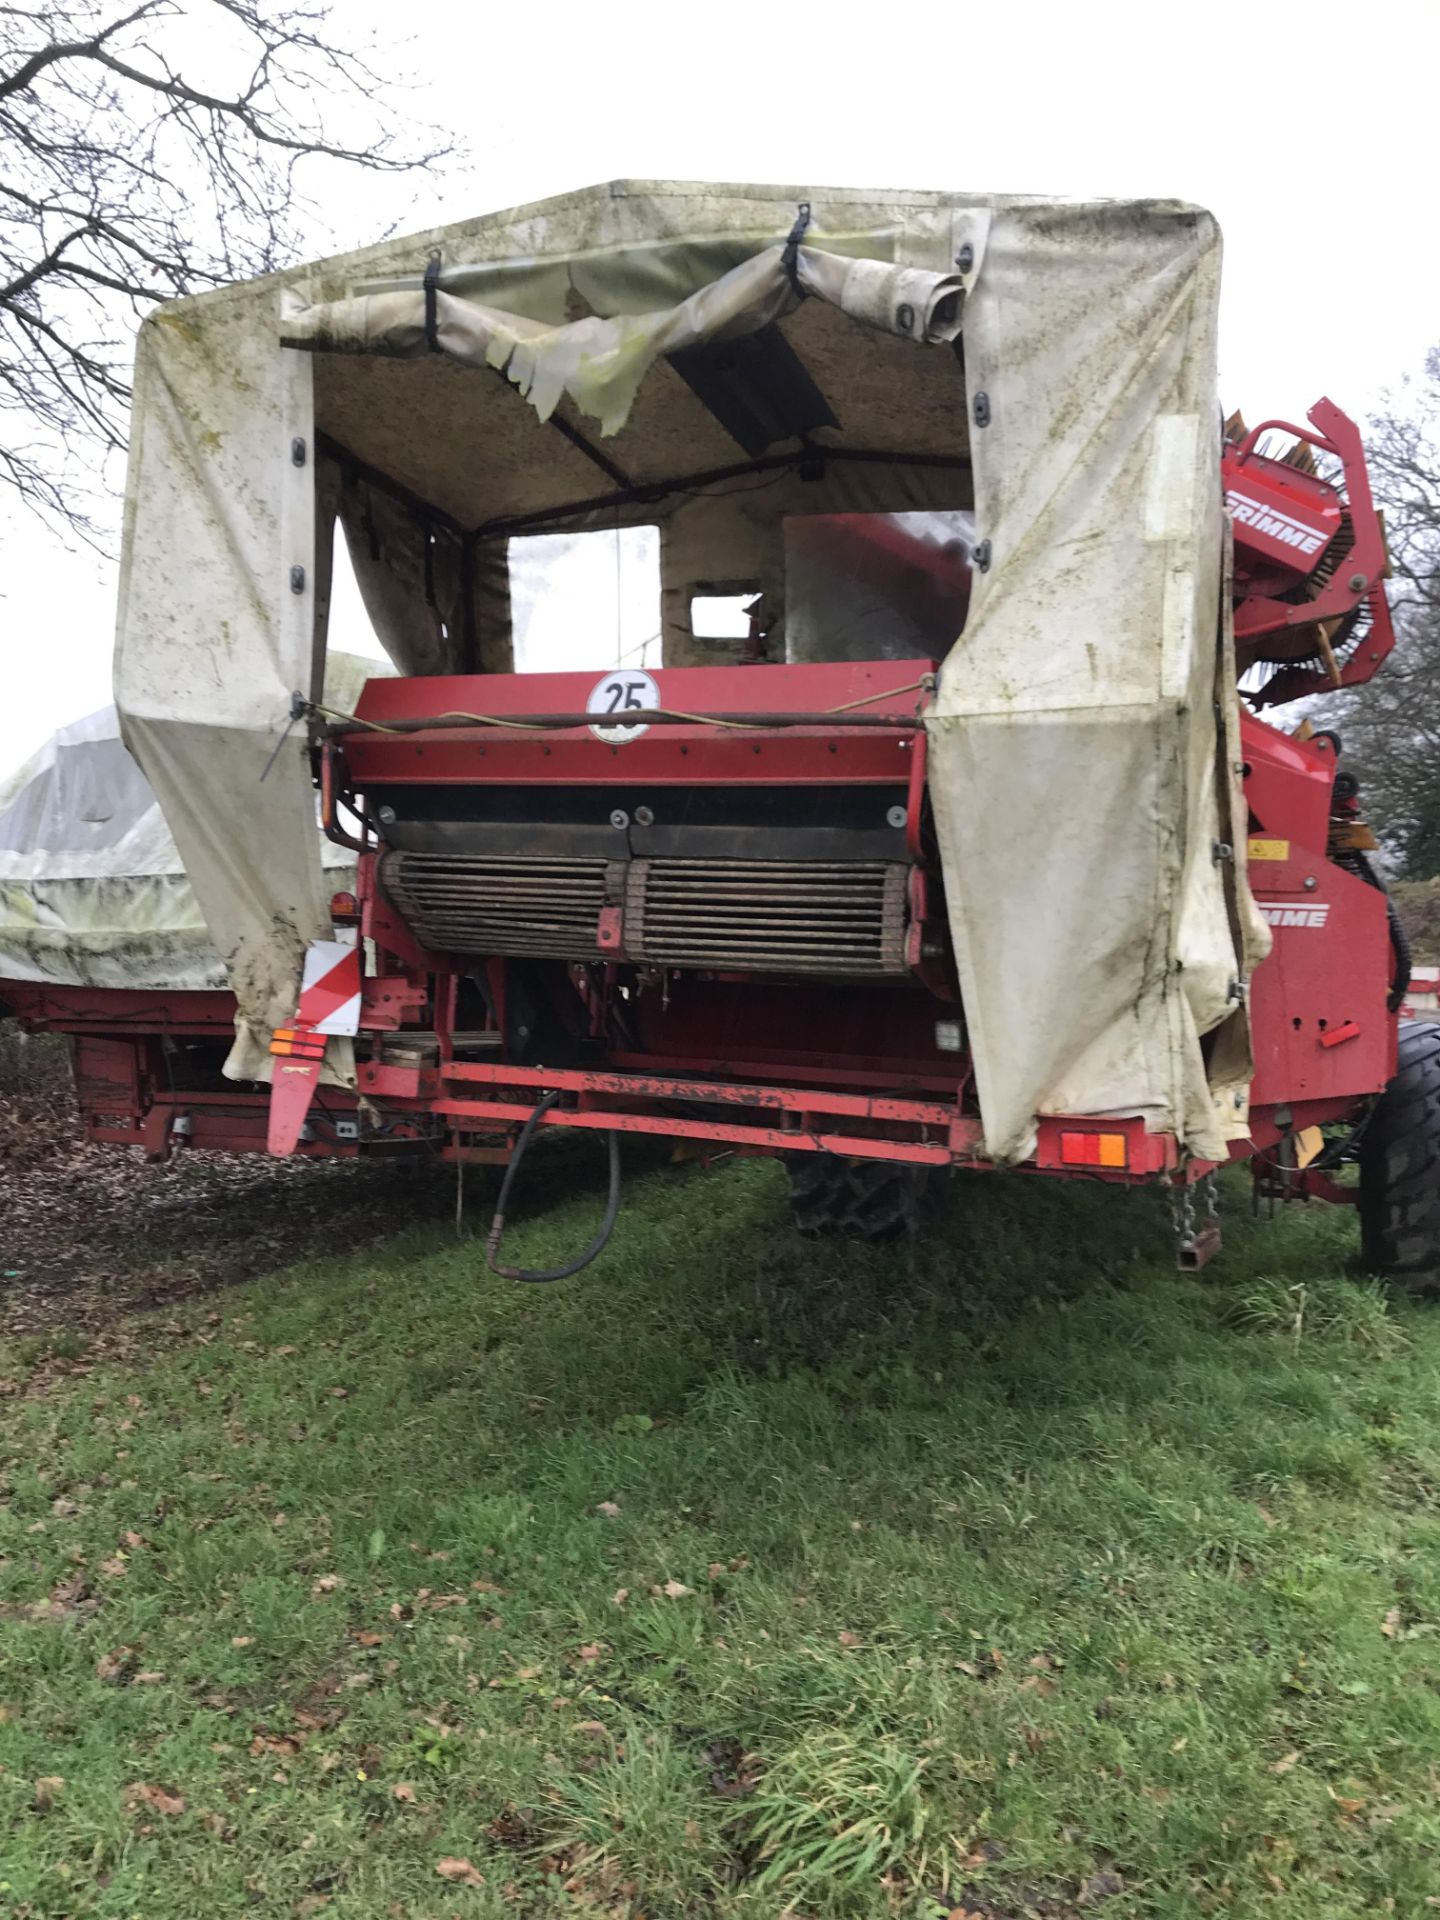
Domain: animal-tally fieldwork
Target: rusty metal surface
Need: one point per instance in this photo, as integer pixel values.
(811, 917)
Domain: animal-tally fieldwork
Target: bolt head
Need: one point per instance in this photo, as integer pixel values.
(644, 817)
(619, 818)
(1311, 883)
(896, 816)
(385, 815)
(1358, 583)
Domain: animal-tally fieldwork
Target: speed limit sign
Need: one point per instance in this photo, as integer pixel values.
(626, 690)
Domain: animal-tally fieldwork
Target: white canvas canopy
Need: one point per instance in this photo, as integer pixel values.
(610, 358)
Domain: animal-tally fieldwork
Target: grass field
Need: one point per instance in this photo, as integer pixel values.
(1008, 1574)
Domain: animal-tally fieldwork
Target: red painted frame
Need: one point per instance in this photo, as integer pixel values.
(1324, 1040)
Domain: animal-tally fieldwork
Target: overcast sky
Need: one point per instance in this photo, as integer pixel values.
(1308, 129)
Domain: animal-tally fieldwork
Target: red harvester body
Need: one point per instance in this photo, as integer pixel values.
(706, 903)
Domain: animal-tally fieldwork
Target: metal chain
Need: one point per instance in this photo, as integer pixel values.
(1182, 1208)
(1211, 1184)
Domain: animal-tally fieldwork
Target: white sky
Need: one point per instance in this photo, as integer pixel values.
(1308, 129)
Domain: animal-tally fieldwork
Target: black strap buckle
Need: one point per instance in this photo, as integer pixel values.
(790, 259)
(432, 287)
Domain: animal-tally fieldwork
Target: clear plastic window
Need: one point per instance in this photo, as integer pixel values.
(583, 600)
(876, 586)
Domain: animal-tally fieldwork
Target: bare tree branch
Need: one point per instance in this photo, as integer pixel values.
(148, 151)
(1391, 727)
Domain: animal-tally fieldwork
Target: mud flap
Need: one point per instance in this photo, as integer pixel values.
(291, 1091)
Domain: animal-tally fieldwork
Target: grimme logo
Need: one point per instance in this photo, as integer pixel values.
(1295, 913)
(1279, 526)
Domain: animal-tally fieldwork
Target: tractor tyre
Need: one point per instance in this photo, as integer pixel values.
(1400, 1168)
(874, 1200)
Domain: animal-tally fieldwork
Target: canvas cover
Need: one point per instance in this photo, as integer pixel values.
(92, 889)
(1079, 780)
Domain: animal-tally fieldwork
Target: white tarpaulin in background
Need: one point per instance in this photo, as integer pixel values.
(92, 889)
(1075, 773)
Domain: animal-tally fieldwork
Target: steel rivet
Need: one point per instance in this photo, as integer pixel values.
(965, 259)
(297, 579)
(385, 815)
(896, 816)
(982, 409)
(619, 818)
(644, 817)
(1311, 883)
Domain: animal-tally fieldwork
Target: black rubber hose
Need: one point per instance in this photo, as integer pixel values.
(1400, 978)
(543, 1275)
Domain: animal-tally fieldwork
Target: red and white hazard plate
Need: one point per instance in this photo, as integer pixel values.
(330, 988)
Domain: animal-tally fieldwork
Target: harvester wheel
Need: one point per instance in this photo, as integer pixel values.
(1400, 1168)
(866, 1199)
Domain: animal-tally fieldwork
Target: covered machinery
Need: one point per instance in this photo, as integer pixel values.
(962, 850)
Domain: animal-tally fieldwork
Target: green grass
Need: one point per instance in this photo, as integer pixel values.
(1011, 1572)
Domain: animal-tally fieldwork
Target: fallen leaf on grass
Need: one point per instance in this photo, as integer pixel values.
(1284, 1765)
(1345, 1806)
(676, 1590)
(150, 1677)
(158, 1799)
(620, 1596)
(114, 1566)
(365, 1638)
(593, 1650)
(1390, 1625)
(242, 1640)
(460, 1871)
(327, 1583)
(46, 1789)
(848, 1639)
(112, 1668)
(1038, 1683)
(403, 1791)
(133, 1540)
(609, 1508)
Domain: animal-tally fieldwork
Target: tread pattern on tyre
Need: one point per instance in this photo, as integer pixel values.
(864, 1199)
(1400, 1167)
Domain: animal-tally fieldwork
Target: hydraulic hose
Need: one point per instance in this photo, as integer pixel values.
(1400, 945)
(543, 1275)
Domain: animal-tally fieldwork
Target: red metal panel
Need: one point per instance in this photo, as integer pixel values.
(783, 1139)
(643, 1086)
(885, 686)
(145, 1010)
(1287, 786)
(1329, 969)
(683, 757)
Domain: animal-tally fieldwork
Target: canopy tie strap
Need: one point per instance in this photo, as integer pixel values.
(432, 288)
(790, 259)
